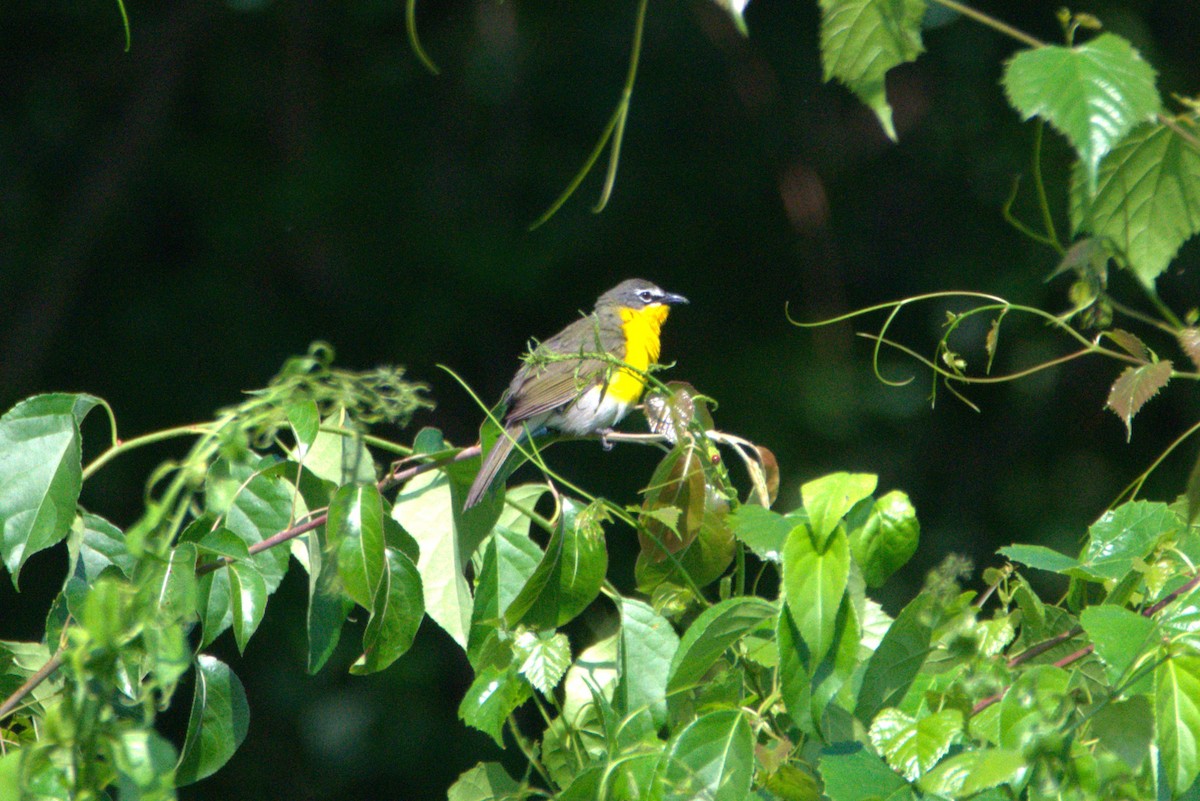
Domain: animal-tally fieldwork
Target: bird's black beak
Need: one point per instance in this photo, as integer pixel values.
(671, 299)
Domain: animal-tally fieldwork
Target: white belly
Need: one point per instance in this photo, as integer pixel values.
(593, 411)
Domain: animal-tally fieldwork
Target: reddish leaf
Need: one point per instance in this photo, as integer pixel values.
(1189, 340)
(1129, 343)
(1134, 387)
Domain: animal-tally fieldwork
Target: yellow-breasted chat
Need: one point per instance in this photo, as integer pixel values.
(569, 386)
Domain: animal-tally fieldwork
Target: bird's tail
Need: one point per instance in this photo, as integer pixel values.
(493, 462)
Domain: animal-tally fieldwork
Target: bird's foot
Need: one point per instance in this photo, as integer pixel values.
(604, 443)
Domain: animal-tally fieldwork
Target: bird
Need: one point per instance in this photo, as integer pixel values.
(565, 385)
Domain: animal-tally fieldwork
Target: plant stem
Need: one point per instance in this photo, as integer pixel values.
(121, 447)
(43, 673)
(992, 22)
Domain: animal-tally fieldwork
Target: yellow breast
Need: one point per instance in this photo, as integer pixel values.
(641, 327)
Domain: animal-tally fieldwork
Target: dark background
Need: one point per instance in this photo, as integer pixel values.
(175, 221)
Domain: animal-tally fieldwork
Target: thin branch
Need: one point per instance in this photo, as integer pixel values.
(43, 673)
(992, 22)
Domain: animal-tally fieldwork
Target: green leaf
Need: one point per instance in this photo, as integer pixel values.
(1031, 705)
(762, 530)
(10, 773)
(487, 781)
(145, 764)
(568, 577)
(425, 509)
(222, 542)
(1177, 719)
(355, 535)
(255, 506)
(328, 606)
(912, 746)
(491, 698)
(594, 670)
(248, 597)
(862, 39)
(713, 758)
(814, 581)
(1125, 535)
(1147, 199)
(647, 646)
(795, 668)
(543, 658)
(1040, 557)
(832, 676)
(305, 420)
(715, 630)
(972, 772)
(1094, 93)
(174, 588)
(218, 723)
(395, 616)
(1120, 636)
(102, 545)
(509, 560)
(40, 474)
(1133, 387)
(1126, 728)
(337, 457)
(896, 662)
(887, 539)
(852, 773)
(828, 499)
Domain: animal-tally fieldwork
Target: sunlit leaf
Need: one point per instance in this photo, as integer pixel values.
(567, 578)
(1040, 557)
(647, 646)
(862, 39)
(1093, 93)
(1177, 719)
(40, 474)
(218, 723)
(328, 605)
(912, 746)
(491, 698)
(248, 597)
(814, 581)
(896, 662)
(1123, 535)
(1126, 728)
(972, 772)
(1030, 704)
(486, 781)
(715, 630)
(305, 420)
(145, 763)
(1119, 635)
(425, 509)
(1147, 200)
(255, 506)
(509, 561)
(395, 616)
(828, 499)
(852, 773)
(713, 758)
(762, 530)
(356, 542)
(102, 545)
(887, 539)
(1134, 387)
(543, 658)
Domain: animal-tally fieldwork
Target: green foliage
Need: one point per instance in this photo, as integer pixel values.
(696, 686)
